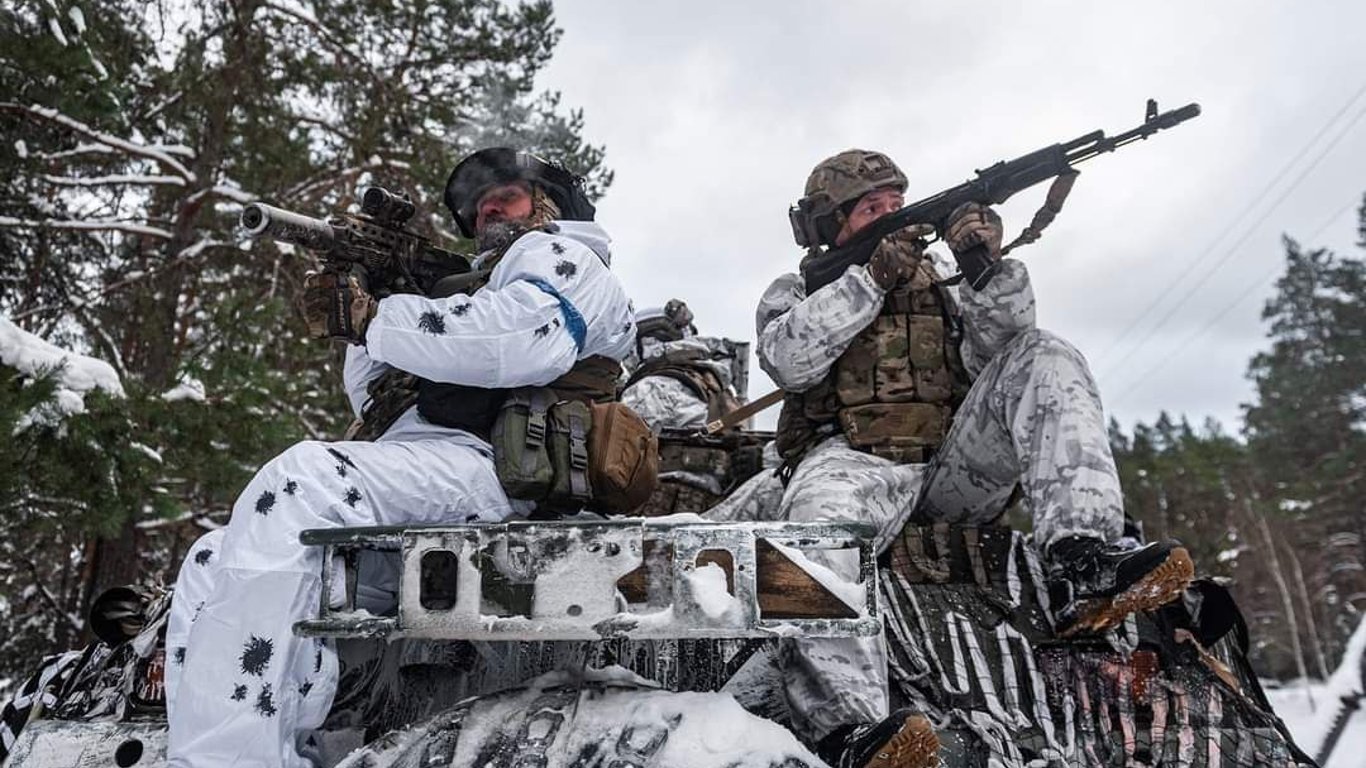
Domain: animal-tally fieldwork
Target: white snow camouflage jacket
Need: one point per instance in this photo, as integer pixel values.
(550, 301)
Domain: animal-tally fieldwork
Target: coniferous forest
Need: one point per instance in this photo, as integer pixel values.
(135, 133)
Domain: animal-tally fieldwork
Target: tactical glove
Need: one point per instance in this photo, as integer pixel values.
(337, 307)
(969, 226)
(897, 255)
(678, 313)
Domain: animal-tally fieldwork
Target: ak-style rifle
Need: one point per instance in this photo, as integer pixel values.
(993, 186)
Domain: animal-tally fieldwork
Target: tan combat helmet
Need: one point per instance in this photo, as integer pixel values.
(835, 182)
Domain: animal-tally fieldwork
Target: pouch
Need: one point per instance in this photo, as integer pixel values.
(571, 422)
(623, 458)
(520, 440)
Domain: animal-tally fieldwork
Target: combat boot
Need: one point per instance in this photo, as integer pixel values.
(1093, 586)
(906, 739)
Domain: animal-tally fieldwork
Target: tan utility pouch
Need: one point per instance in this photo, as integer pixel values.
(903, 431)
(624, 458)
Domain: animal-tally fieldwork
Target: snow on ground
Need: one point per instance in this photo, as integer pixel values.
(1310, 722)
(79, 374)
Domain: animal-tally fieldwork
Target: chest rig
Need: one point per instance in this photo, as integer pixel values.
(894, 390)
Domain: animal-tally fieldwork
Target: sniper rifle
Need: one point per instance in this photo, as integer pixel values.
(377, 240)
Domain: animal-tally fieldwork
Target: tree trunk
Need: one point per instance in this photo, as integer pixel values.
(1309, 622)
(1287, 603)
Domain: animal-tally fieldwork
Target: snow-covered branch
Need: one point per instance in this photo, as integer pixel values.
(100, 181)
(149, 151)
(235, 194)
(78, 150)
(95, 225)
(328, 178)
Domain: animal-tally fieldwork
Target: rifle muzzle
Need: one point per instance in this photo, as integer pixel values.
(261, 220)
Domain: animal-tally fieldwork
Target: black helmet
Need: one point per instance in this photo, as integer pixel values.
(503, 165)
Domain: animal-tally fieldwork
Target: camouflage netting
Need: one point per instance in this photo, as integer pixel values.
(972, 646)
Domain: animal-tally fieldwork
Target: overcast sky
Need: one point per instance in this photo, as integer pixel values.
(713, 113)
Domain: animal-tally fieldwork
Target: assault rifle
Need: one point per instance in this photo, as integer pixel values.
(993, 185)
(377, 240)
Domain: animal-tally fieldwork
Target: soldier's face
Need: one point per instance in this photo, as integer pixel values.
(505, 202)
(869, 209)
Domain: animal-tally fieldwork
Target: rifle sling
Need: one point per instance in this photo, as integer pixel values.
(744, 412)
(1052, 206)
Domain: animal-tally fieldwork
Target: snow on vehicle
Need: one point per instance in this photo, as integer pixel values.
(651, 642)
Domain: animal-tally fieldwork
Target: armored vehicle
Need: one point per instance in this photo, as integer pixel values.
(616, 643)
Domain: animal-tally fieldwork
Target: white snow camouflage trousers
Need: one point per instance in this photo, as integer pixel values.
(1032, 416)
(241, 688)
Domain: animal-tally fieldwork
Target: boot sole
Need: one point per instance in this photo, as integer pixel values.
(914, 745)
(1162, 585)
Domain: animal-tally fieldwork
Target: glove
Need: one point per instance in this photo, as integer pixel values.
(678, 313)
(971, 225)
(896, 257)
(337, 307)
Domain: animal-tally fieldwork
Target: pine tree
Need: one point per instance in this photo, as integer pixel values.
(139, 131)
(1307, 429)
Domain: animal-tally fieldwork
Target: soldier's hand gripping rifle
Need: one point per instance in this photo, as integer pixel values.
(993, 185)
(393, 258)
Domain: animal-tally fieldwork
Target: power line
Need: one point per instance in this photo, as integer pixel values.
(1233, 250)
(1266, 189)
(1209, 325)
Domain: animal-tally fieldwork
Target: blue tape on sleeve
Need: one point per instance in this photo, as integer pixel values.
(573, 320)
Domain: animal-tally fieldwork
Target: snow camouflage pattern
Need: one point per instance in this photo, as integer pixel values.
(1032, 416)
(691, 477)
(667, 403)
(972, 647)
(249, 687)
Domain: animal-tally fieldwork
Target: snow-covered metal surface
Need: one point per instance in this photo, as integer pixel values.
(611, 720)
(560, 581)
(66, 743)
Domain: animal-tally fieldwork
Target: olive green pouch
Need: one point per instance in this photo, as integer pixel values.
(570, 423)
(521, 444)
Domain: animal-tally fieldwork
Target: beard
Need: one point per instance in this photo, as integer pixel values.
(498, 235)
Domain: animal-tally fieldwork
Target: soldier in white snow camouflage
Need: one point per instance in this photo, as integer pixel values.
(907, 403)
(680, 380)
(243, 689)
(679, 383)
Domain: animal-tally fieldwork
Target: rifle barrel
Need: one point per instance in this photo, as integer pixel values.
(261, 220)
(1102, 144)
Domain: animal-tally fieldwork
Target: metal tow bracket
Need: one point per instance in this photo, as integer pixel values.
(636, 578)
